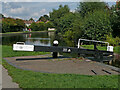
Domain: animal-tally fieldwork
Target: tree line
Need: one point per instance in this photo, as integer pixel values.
(91, 20)
(12, 25)
(9, 24)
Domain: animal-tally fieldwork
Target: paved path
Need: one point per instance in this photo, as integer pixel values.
(0, 77)
(6, 79)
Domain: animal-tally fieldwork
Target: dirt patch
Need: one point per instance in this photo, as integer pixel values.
(47, 64)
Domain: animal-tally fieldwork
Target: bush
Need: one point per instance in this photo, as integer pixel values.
(113, 41)
(41, 26)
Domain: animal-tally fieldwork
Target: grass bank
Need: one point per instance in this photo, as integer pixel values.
(24, 32)
(7, 51)
(30, 79)
(116, 48)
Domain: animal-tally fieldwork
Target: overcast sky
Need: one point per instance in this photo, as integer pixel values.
(26, 10)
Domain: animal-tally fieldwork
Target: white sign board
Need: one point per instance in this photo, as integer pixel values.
(110, 48)
(19, 47)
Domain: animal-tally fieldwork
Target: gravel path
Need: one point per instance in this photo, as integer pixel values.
(47, 64)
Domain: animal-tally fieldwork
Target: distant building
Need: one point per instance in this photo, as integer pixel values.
(38, 21)
(28, 23)
(50, 29)
(42, 21)
(118, 3)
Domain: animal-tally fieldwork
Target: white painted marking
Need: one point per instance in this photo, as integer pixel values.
(18, 47)
(64, 49)
(69, 50)
(110, 48)
(55, 42)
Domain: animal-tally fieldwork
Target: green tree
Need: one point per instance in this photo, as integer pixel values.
(43, 19)
(97, 25)
(41, 26)
(72, 30)
(5, 26)
(38, 26)
(85, 7)
(34, 26)
(12, 25)
(65, 22)
(1, 16)
(46, 17)
(49, 24)
(115, 19)
(20, 24)
(55, 15)
(78, 25)
(31, 19)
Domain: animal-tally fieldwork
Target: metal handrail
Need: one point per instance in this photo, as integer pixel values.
(92, 41)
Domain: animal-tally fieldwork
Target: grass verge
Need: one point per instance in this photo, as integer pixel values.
(30, 79)
(116, 48)
(26, 32)
(7, 51)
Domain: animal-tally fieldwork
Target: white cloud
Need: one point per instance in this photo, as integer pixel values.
(19, 10)
(72, 11)
(6, 15)
(36, 14)
(42, 12)
(57, 0)
(17, 1)
(48, 14)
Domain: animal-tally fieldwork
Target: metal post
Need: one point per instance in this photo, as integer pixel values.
(96, 51)
(55, 43)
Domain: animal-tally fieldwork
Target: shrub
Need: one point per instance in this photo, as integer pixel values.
(113, 41)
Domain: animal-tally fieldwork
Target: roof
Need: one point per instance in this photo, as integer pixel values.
(28, 22)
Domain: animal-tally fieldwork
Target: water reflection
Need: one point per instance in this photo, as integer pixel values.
(43, 39)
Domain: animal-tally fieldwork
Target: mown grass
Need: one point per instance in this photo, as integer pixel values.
(30, 79)
(116, 49)
(27, 32)
(7, 51)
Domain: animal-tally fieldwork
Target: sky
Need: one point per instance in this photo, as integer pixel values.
(27, 9)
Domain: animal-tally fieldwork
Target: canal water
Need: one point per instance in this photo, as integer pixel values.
(38, 38)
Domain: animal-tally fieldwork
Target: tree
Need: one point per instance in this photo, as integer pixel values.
(1, 16)
(49, 25)
(46, 17)
(85, 7)
(41, 26)
(43, 19)
(55, 15)
(38, 26)
(60, 12)
(34, 26)
(12, 25)
(97, 25)
(20, 24)
(65, 22)
(31, 19)
(115, 19)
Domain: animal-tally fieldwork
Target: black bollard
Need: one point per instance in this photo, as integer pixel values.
(55, 43)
